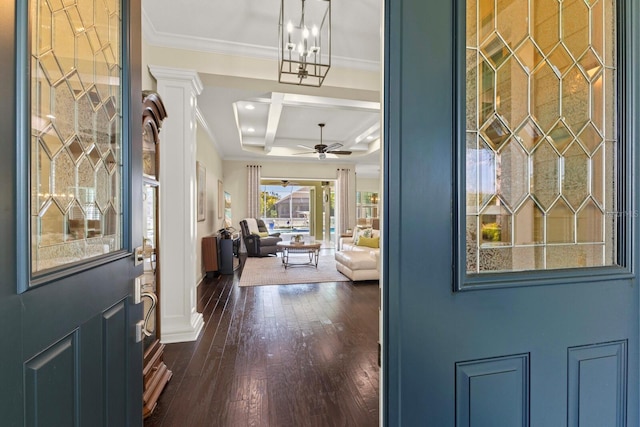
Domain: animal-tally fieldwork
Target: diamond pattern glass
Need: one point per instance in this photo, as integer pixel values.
(575, 179)
(544, 175)
(541, 126)
(529, 134)
(513, 163)
(590, 224)
(560, 223)
(575, 99)
(545, 23)
(76, 119)
(513, 26)
(495, 132)
(575, 26)
(529, 55)
(590, 138)
(560, 136)
(495, 50)
(511, 93)
(545, 96)
(560, 60)
(495, 224)
(529, 224)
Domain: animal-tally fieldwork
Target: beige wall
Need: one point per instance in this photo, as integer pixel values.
(208, 157)
(148, 82)
(368, 184)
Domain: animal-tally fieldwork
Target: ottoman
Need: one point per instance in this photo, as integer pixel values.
(357, 265)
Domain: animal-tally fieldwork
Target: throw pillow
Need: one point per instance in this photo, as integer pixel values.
(364, 232)
(370, 242)
(263, 234)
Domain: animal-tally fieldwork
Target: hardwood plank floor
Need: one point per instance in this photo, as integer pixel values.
(287, 355)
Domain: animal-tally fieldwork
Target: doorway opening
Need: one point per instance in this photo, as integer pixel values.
(292, 206)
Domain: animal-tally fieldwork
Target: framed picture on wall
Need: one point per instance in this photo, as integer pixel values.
(227, 208)
(201, 184)
(220, 200)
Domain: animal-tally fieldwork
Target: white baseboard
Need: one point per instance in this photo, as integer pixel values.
(186, 335)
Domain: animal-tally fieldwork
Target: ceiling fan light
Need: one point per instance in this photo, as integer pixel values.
(322, 156)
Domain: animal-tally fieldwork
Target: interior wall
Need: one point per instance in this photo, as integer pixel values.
(235, 180)
(208, 157)
(148, 82)
(368, 184)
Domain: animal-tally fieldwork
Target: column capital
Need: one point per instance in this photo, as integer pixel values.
(177, 74)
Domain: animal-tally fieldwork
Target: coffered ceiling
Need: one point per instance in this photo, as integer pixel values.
(253, 118)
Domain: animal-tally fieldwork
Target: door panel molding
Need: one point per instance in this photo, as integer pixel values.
(597, 385)
(493, 392)
(114, 355)
(51, 384)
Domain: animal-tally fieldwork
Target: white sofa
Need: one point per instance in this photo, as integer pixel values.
(358, 262)
(346, 244)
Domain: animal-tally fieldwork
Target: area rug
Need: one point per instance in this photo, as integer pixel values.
(270, 271)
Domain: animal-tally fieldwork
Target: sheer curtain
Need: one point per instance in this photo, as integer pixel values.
(253, 191)
(342, 201)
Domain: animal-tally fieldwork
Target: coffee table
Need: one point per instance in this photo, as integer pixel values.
(311, 249)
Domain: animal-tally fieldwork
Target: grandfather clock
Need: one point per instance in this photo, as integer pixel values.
(155, 371)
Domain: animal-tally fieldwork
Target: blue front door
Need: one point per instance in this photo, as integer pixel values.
(511, 296)
(71, 141)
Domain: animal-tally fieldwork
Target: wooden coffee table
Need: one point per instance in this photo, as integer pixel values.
(311, 249)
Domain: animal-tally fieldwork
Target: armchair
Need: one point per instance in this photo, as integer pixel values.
(258, 242)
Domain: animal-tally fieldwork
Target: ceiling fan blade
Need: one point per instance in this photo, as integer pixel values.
(343, 152)
(332, 146)
(305, 152)
(306, 146)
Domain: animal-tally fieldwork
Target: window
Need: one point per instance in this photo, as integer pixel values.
(366, 207)
(541, 135)
(76, 138)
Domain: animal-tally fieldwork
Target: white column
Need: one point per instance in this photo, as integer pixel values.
(179, 90)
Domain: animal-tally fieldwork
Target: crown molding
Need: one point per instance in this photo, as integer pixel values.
(224, 47)
(169, 73)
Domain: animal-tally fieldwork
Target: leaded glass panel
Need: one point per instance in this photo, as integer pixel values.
(541, 134)
(76, 142)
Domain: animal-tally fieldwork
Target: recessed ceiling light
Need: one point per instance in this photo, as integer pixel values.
(250, 107)
(251, 130)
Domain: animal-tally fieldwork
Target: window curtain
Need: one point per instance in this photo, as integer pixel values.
(253, 191)
(342, 201)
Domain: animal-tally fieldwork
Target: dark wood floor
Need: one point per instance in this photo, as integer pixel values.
(289, 355)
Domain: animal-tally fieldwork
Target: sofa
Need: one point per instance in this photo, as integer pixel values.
(359, 255)
(257, 239)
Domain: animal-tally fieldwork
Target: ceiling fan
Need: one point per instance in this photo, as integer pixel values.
(286, 182)
(323, 149)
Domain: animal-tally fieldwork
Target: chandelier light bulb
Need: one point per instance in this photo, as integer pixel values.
(314, 31)
(289, 27)
(300, 49)
(305, 33)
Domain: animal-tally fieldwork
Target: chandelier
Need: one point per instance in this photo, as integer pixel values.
(304, 56)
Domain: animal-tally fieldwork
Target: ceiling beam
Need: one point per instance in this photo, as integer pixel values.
(275, 112)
